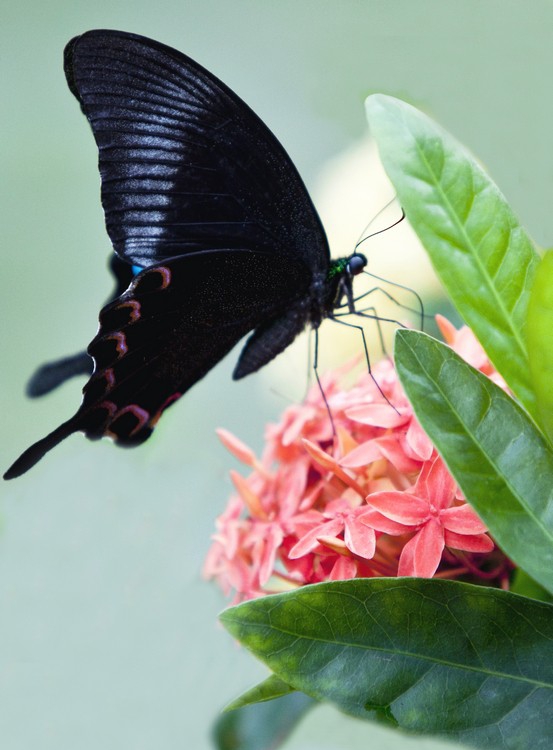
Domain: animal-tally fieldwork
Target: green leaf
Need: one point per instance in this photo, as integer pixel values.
(521, 583)
(271, 688)
(261, 726)
(539, 332)
(498, 457)
(469, 663)
(479, 250)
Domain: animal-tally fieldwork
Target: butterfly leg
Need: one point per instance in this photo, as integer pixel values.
(309, 361)
(350, 308)
(420, 306)
(370, 313)
(366, 348)
(320, 385)
(419, 310)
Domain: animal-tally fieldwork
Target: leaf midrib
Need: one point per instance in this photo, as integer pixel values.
(400, 652)
(530, 512)
(455, 220)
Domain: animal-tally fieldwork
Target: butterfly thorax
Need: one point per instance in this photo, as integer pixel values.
(339, 281)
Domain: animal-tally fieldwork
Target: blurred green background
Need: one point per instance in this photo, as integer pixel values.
(108, 635)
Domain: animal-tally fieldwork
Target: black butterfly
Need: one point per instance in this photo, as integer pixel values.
(200, 194)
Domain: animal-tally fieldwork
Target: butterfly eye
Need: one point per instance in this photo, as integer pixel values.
(356, 264)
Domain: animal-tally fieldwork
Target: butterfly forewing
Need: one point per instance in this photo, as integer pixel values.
(186, 165)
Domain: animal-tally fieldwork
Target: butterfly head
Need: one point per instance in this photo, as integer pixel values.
(356, 264)
(339, 280)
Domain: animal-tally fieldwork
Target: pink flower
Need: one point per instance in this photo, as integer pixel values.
(431, 510)
(376, 501)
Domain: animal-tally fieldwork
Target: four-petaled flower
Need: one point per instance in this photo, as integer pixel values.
(431, 509)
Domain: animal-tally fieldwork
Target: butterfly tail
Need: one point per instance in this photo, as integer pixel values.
(33, 454)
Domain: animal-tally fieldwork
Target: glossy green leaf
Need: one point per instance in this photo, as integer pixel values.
(499, 458)
(469, 663)
(270, 689)
(261, 726)
(539, 337)
(479, 250)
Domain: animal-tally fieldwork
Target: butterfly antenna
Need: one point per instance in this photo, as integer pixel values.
(380, 231)
(379, 213)
(420, 307)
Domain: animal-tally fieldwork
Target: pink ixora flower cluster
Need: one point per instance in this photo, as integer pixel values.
(376, 501)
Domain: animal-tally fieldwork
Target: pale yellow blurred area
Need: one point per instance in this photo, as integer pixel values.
(351, 194)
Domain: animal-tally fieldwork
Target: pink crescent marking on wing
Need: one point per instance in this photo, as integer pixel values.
(135, 309)
(109, 406)
(168, 401)
(111, 409)
(121, 339)
(141, 414)
(109, 377)
(166, 274)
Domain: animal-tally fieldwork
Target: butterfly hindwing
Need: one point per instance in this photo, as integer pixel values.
(173, 324)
